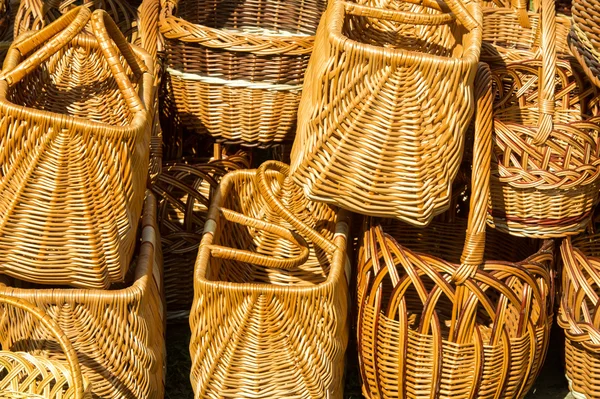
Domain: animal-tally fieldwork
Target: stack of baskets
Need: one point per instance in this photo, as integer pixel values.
(76, 114)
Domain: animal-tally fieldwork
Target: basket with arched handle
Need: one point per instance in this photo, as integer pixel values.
(271, 269)
(29, 377)
(386, 103)
(453, 310)
(74, 142)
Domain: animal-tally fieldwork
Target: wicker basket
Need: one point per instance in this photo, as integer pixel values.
(270, 321)
(578, 314)
(382, 120)
(435, 322)
(184, 190)
(70, 199)
(29, 377)
(118, 334)
(584, 38)
(237, 67)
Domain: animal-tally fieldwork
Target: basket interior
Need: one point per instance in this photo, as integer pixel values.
(258, 16)
(76, 81)
(249, 202)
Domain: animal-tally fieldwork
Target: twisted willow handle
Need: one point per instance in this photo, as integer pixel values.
(399, 16)
(58, 334)
(548, 75)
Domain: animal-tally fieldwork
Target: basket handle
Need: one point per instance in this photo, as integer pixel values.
(459, 11)
(277, 206)
(56, 35)
(246, 256)
(58, 334)
(107, 32)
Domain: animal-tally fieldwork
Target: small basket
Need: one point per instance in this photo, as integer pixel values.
(184, 190)
(584, 38)
(435, 322)
(117, 334)
(269, 320)
(388, 98)
(74, 163)
(237, 67)
(29, 377)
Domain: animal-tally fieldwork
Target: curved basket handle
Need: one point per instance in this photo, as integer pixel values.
(399, 16)
(56, 35)
(277, 206)
(107, 32)
(58, 334)
(548, 74)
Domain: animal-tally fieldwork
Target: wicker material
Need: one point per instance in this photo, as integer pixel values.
(237, 67)
(30, 377)
(435, 322)
(184, 190)
(117, 333)
(579, 315)
(584, 38)
(269, 321)
(70, 199)
(382, 122)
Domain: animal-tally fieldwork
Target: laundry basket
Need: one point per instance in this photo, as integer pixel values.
(387, 99)
(74, 162)
(435, 321)
(117, 334)
(237, 67)
(269, 318)
(23, 375)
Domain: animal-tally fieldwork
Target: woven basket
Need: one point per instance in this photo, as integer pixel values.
(269, 320)
(237, 67)
(29, 377)
(6, 38)
(584, 38)
(383, 114)
(70, 199)
(184, 191)
(579, 316)
(118, 334)
(435, 322)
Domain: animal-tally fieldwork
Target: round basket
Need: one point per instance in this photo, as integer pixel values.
(237, 67)
(584, 38)
(437, 322)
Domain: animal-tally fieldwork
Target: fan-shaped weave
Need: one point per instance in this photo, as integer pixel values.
(435, 321)
(74, 150)
(387, 99)
(237, 67)
(184, 191)
(118, 334)
(269, 321)
(579, 315)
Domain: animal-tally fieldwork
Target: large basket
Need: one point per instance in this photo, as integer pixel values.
(184, 190)
(435, 322)
(74, 162)
(237, 67)
(117, 334)
(584, 38)
(269, 320)
(31, 377)
(387, 100)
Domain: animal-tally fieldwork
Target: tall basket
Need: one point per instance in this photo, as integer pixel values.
(269, 318)
(435, 322)
(387, 100)
(237, 67)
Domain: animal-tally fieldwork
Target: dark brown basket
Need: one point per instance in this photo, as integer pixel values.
(237, 66)
(584, 38)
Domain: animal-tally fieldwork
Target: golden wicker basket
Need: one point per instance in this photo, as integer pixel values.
(388, 98)
(269, 320)
(435, 321)
(584, 38)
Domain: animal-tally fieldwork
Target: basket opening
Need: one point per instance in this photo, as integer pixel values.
(278, 17)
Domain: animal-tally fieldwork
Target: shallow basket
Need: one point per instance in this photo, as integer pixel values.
(184, 190)
(25, 376)
(73, 162)
(269, 320)
(237, 67)
(387, 100)
(435, 321)
(117, 334)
